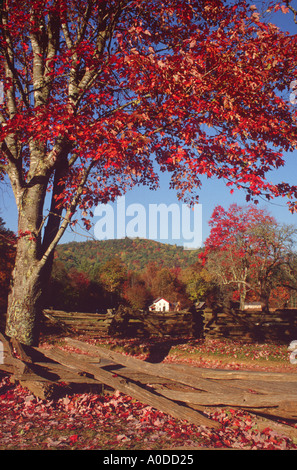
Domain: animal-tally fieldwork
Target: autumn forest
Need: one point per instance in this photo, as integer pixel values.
(247, 257)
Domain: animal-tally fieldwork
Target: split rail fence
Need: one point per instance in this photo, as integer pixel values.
(158, 323)
(279, 325)
(184, 392)
(251, 325)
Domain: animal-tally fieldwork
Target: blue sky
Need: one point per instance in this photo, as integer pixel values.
(212, 193)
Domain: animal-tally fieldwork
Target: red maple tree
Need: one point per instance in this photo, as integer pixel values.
(231, 250)
(248, 252)
(96, 92)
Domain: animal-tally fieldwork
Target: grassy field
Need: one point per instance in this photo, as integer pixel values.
(208, 353)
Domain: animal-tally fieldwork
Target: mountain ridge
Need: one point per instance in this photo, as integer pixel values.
(134, 253)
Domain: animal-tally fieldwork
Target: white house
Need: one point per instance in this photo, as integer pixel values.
(161, 305)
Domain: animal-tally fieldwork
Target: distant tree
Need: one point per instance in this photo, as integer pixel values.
(289, 275)
(149, 274)
(247, 250)
(167, 284)
(198, 282)
(69, 290)
(280, 297)
(80, 287)
(163, 284)
(7, 259)
(228, 255)
(273, 247)
(112, 276)
(136, 293)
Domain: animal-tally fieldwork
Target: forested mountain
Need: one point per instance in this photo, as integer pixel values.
(135, 254)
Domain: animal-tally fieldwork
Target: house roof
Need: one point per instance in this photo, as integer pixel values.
(160, 298)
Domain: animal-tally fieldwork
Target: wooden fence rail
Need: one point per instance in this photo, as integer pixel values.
(278, 325)
(183, 392)
(147, 324)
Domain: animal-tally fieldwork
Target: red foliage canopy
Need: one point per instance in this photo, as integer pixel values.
(247, 248)
(228, 225)
(111, 85)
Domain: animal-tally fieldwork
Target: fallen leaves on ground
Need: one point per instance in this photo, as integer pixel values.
(118, 422)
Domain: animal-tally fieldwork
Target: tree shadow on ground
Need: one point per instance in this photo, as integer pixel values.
(155, 349)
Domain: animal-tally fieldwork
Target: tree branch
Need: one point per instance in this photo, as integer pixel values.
(67, 219)
(288, 3)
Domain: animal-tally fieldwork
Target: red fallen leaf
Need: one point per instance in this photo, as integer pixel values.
(266, 431)
(73, 438)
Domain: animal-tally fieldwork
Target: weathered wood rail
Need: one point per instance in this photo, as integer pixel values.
(92, 323)
(251, 325)
(182, 391)
(279, 325)
(159, 324)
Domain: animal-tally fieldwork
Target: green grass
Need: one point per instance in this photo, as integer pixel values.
(209, 350)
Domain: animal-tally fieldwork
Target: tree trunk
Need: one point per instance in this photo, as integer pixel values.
(30, 275)
(264, 299)
(23, 302)
(242, 297)
(265, 292)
